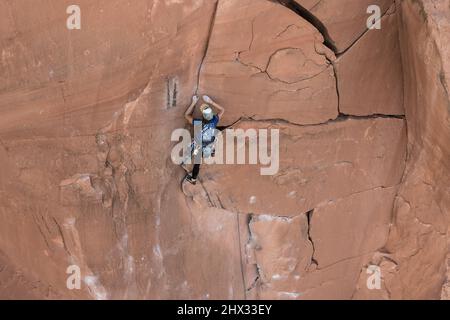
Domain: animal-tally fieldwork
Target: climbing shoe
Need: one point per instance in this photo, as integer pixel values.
(191, 180)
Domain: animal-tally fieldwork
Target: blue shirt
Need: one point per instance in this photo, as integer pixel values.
(208, 129)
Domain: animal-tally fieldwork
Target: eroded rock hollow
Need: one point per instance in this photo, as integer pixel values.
(87, 180)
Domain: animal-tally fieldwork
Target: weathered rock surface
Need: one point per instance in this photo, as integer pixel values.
(265, 62)
(317, 164)
(352, 226)
(94, 106)
(86, 179)
(344, 20)
(370, 72)
(418, 241)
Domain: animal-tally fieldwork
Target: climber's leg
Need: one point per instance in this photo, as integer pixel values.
(192, 177)
(195, 171)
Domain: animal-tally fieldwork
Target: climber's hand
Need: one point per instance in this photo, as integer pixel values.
(190, 110)
(207, 99)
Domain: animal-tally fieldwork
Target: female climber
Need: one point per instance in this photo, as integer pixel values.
(204, 132)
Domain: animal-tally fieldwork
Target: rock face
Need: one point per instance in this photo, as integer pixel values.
(415, 257)
(344, 20)
(351, 150)
(374, 59)
(420, 233)
(361, 184)
(264, 62)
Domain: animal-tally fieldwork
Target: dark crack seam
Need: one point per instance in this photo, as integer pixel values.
(320, 26)
(312, 19)
(386, 13)
(309, 218)
(240, 255)
(328, 41)
(258, 277)
(341, 117)
(211, 26)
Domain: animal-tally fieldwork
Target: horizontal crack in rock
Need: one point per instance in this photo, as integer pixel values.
(341, 117)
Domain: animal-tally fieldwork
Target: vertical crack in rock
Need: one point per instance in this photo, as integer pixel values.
(320, 26)
(211, 26)
(328, 41)
(309, 218)
(253, 245)
(240, 252)
(312, 19)
(254, 283)
(333, 65)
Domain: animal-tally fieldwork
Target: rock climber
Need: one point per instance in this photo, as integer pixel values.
(204, 141)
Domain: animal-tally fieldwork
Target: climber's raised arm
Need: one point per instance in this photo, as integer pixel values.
(216, 105)
(190, 110)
